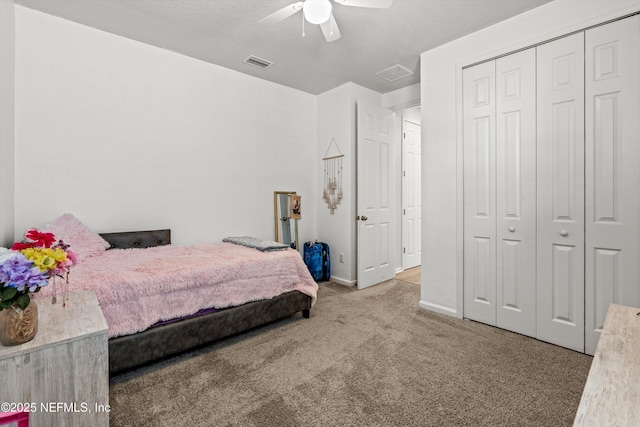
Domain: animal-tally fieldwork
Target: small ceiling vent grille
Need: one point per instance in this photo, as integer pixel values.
(257, 62)
(394, 73)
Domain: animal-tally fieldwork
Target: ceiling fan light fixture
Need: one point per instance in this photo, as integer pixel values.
(317, 11)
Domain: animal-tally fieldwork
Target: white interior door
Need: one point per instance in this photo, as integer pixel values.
(479, 150)
(612, 156)
(516, 192)
(374, 203)
(411, 194)
(560, 270)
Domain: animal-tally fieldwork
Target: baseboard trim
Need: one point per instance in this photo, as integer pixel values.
(439, 309)
(345, 282)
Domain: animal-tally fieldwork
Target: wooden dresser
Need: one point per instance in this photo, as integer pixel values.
(63, 373)
(611, 395)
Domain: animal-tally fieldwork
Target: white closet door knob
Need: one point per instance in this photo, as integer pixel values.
(564, 233)
(512, 229)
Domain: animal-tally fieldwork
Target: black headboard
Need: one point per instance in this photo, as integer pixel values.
(138, 239)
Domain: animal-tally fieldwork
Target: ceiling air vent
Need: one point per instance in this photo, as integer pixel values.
(257, 62)
(394, 73)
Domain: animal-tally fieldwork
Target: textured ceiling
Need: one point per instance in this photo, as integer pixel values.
(224, 32)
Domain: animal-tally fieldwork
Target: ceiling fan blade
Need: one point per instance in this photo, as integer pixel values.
(282, 14)
(330, 29)
(378, 4)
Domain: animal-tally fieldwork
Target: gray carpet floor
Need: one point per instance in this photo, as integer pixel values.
(364, 358)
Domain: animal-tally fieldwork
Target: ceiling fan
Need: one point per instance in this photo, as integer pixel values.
(319, 12)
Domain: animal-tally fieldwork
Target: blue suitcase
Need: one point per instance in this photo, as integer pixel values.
(318, 261)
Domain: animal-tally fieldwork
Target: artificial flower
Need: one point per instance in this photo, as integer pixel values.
(30, 264)
(35, 238)
(20, 273)
(43, 258)
(40, 238)
(6, 254)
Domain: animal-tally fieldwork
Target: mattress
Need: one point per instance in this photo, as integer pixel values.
(138, 288)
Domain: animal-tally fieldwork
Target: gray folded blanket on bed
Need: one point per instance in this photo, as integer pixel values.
(254, 242)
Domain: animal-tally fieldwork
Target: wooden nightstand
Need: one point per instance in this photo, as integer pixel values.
(63, 373)
(612, 390)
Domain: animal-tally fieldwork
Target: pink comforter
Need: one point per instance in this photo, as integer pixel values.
(139, 287)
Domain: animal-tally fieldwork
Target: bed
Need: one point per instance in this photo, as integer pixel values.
(167, 339)
(207, 321)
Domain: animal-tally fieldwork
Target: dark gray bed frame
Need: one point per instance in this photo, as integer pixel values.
(130, 351)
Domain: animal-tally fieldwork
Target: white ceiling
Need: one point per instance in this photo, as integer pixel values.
(224, 32)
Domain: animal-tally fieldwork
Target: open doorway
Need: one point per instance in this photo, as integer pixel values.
(411, 193)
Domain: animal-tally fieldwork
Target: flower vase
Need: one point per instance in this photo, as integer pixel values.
(18, 326)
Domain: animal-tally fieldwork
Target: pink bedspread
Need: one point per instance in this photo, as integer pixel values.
(139, 287)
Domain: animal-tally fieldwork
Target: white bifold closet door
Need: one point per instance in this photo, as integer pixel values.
(499, 192)
(612, 184)
(560, 219)
(480, 192)
(551, 150)
(516, 192)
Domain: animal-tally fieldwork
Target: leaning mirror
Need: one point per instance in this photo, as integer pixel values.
(286, 227)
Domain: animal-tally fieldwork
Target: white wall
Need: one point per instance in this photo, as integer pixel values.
(128, 136)
(441, 130)
(139, 138)
(7, 157)
(413, 115)
(403, 98)
(337, 119)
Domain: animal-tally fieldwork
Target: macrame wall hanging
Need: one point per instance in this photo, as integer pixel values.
(332, 193)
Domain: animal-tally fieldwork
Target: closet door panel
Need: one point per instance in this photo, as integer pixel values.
(515, 191)
(560, 178)
(612, 161)
(479, 193)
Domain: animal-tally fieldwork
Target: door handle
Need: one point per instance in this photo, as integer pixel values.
(361, 218)
(512, 229)
(564, 233)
